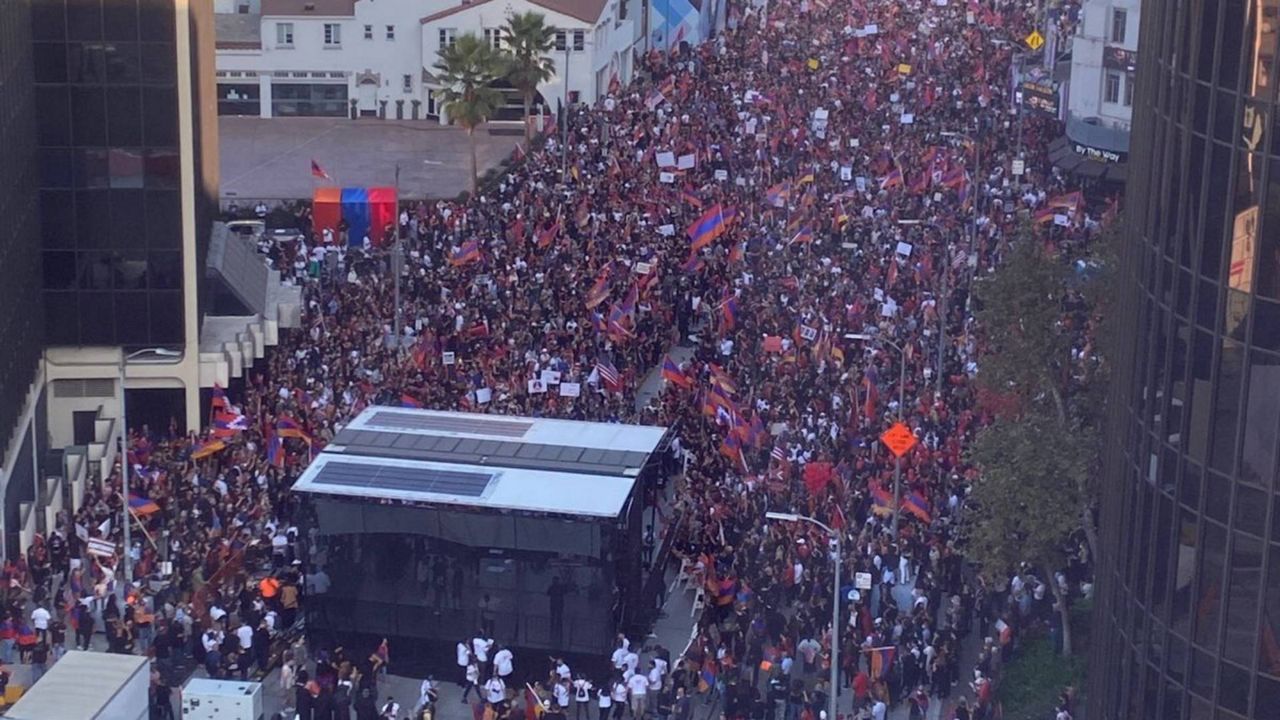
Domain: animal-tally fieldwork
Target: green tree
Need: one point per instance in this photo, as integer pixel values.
(467, 70)
(1031, 471)
(529, 43)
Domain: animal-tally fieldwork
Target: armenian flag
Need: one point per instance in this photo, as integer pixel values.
(954, 178)
(468, 252)
(227, 424)
(693, 264)
(600, 289)
(917, 505)
(881, 501)
(532, 705)
(690, 197)
(142, 506)
(729, 311)
(548, 235)
(287, 427)
(804, 235)
(207, 448)
(778, 194)
(1069, 201)
(219, 399)
(409, 401)
(841, 215)
(881, 660)
(892, 180)
(672, 373)
(711, 225)
(275, 451)
(720, 379)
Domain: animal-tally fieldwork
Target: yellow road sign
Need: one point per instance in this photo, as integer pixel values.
(1035, 40)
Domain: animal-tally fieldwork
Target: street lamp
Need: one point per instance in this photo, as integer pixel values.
(124, 448)
(835, 605)
(902, 383)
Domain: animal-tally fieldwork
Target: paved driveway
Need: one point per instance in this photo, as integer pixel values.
(270, 158)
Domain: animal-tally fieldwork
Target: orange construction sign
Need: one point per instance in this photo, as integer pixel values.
(899, 439)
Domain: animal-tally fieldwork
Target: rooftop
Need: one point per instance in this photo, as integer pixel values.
(237, 31)
(588, 11)
(317, 8)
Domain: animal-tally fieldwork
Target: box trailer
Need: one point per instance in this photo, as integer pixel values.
(88, 686)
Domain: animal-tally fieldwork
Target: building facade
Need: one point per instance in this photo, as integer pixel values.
(361, 58)
(1187, 620)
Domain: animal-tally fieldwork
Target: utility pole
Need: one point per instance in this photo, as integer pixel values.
(564, 129)
(397, 262)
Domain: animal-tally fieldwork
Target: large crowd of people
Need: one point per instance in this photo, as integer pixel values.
(806, 206)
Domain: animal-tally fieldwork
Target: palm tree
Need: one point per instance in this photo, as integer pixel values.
(467, 69)
(529, 42)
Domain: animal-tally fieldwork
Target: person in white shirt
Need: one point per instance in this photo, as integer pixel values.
(561, 669)
(473, 681)
(480, 646)
(40, 621)
(464, 659)
(582, 696)
(604, 701)
(561, 693)
(495, 691)
(504, 662)
(244, 634)
(629, 664)
(638, 687)
(655, 679)
(619, 696)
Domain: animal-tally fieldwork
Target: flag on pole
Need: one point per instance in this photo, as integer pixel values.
(916, 504)
(672, 373)
(881, 660)
(141, 506)
(317, 171)
(609, 376)
(711, 225)
(409, 401)
(207, 448)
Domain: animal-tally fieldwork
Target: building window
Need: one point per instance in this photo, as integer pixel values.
(448, 36)
(284, 34)
(408, 83)
(391, 32)
(368, 32)
(1111, 88)
(562, 40)
(1128, 90)
(493, 38)
(1119, 19)
(432, 110)
(579, 40)
(332, 34)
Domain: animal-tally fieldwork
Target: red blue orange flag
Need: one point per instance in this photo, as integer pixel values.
(711, 225)
(672, 373)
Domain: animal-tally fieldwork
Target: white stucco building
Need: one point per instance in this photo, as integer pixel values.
(1103, 65)
(374, 58)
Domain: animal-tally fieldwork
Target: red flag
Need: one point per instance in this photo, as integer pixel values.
(317, 171)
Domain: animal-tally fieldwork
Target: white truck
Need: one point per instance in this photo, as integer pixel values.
(88, 686)
(205, 699)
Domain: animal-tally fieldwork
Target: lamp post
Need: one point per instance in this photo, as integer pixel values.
(970, 259)
(902, 384)
(124, 449)
(835, 605)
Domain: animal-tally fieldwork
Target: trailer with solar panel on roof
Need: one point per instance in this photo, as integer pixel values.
(418, 516)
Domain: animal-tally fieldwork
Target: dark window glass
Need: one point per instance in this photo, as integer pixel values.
(62, 317)
(132, 323)
(57, 168)
(50, 60)
(124, 166)
(59, 270)
(1217, 495)
(57, 219)
(88, 116)
(164, 219)
(165, 268)
(86, 63)
(1173, 695)
(1233, 688)
(97, 318)
(159, 64)
(124, 117)
(97, 270)
(1142, 544)
(120, 19)
(161, 169)
(49, 20)
(1267, 698)
(1266, 323)
(1243, 579)
(160, 116)
(91, 168)
(1163, 557)
(1207, 304)
(156, 19)
(1202, 670)
(126, 212)
(1251, 510)
(166, 317)
(1176, 665)
(1269, 623)
(1200, 380)
(122, 63)
(91, 213)
(1200, 709)
(131, 270)
(1261, 421)
(84, 19)
(54, 110)
(1208, 599)
(1227, 406)
(1267, 281)
(1215, 213)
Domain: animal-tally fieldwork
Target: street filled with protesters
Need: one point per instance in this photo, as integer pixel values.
(802, 210)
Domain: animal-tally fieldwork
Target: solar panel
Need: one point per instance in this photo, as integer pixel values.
(442, 482)
(448, 423)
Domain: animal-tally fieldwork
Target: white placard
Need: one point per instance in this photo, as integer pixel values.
(101, 548)
(449, 358)
(642, 268)
(536, 387)
(862, 581)
(550, 377)
(82, 532)
(846, 173)
(870, 29)
(722, 175)
(686, 162)
(666, 159)
(1060, 220)
(570, 389)
(483, 396)
(889, 308)
(666, 177)
(904, 248)
(667, 230)
(1019, 167)
(907, 119)
(860, 183)
(740, 181)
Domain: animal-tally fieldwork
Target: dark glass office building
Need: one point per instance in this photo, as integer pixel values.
(108, 92)
(21, 333)
(1188, 593)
